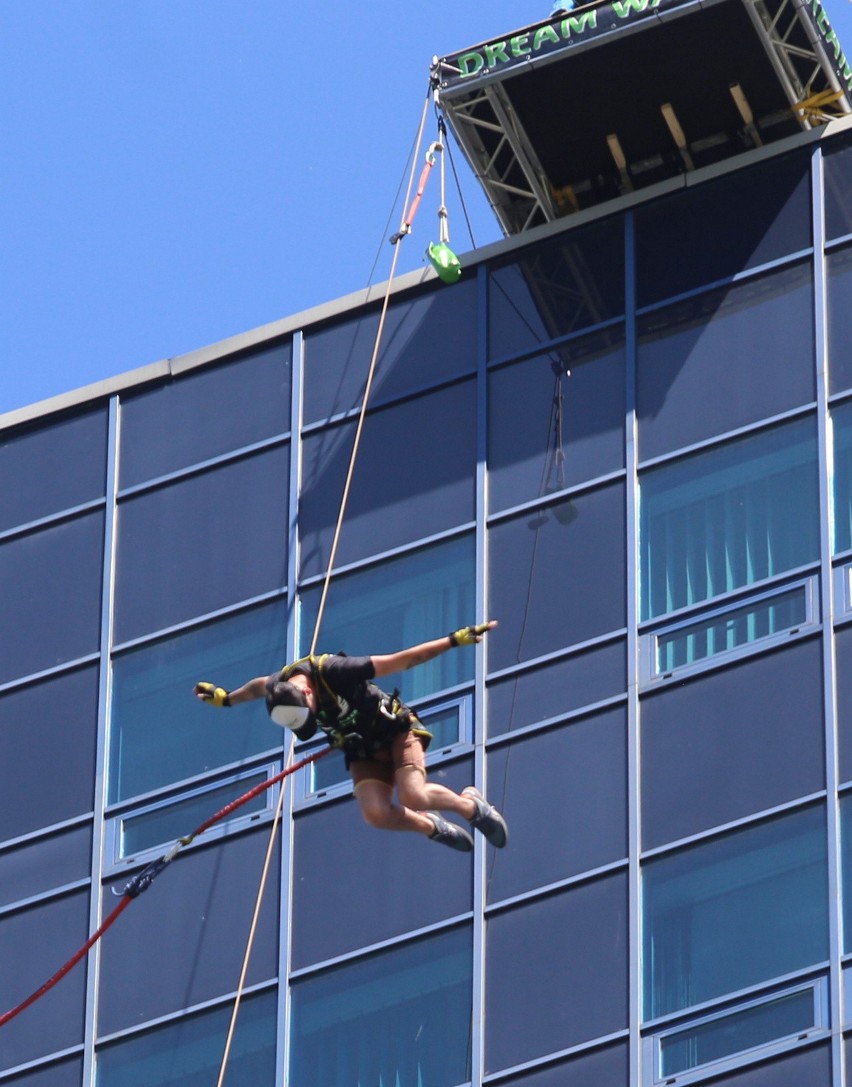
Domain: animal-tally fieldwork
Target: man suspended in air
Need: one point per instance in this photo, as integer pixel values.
(383, 740)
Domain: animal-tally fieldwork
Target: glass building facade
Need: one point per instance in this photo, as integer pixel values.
(628, 437)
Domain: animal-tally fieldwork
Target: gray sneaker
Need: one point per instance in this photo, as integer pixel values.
(487, 820)
(448, 833)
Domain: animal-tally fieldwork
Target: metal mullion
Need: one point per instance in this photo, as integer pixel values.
(634, 837)
(826, 465)
(101, 751)
(285, 951)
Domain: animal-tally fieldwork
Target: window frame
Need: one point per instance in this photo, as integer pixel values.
(652, 674)
(652, 1043)
(115, 862)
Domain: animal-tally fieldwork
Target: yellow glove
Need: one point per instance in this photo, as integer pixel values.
(470, 635)
(216, 696)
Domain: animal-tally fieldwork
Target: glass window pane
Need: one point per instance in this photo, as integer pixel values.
(63, 1074)
(574, 776)
(189, 1053)
(686, 239)
(806, 1066)
(846, 859)
(397, 604)
(843, 651)
(391, 883)
(406, 485)
(165, 577)
(547, 430)
(732, 743)
(842, 426)
(426, 340)
(838, 188)
(197, 923)
(601, 1068)
(720, 519)
(57, 467)
(725, 359)
(839, 275)
(160, 733)
(557, 688)
(402, 1016)
(738, 1031)
(41, 865)
(163, 430)
(51, 582)
(573, 950)
(556, 287)
(33, 944)
(727, 629)
(163, 825)
(556, 576)
(53, 753)
(734, 911)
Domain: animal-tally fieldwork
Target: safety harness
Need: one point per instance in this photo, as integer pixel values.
(365, 726)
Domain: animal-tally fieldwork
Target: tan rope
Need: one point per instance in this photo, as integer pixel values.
(326, 583)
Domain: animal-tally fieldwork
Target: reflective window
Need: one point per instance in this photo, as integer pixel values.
(51, 582)
(599, 1068)
(426, 340)
(57, 467)
(402, 1016)
(837, 158)
(160, 733)
(839, 276)
(557, 688)
(725, 359)
(556, 287)
(197, 927)
(687, 239)
(722, 1036)
(734, 911)
(842, 427)
(63, 1074)
(843, 650)
(573, 776)
(732, 743)
(33, 944)
(167, 428)
(41, 865)
(405, 485)
(411, 882)
(174, 564)
(151, 828)
(720, 519)
(807, 1066)
(565, 956)
(410, 599)
(53, 753)
(556, 576)
(548, 430)
(761, 621)
(189, 1053)
(846, 856)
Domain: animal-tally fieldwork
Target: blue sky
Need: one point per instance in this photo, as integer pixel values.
(173, 172)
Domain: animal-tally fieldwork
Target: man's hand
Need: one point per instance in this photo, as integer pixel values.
(471, 635)
(208, 692)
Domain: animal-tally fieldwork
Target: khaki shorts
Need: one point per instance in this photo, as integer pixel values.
(407, 749)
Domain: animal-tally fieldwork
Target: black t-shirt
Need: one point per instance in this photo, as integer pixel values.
(346, 698)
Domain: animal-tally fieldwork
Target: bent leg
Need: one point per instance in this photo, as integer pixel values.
(378, 808)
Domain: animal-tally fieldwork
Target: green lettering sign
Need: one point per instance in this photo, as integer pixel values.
(520, 45)
(470, 63)
(622, 8)
(545, 34)
(495, 53)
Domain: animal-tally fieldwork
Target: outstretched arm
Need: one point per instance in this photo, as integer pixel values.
(387, 663)
(218, 696)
